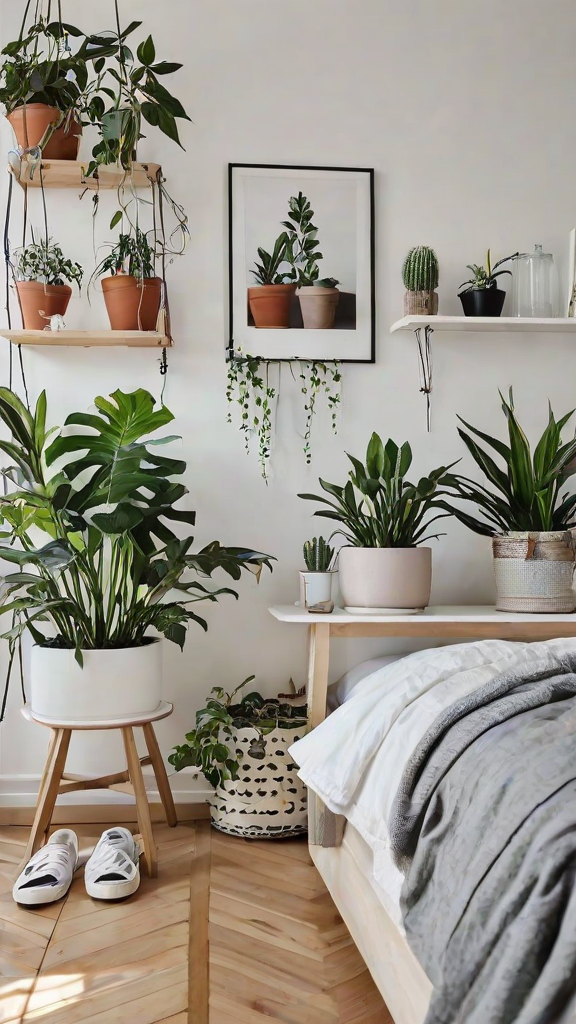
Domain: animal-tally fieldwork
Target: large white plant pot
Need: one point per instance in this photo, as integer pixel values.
(534, 572)
(267, 800)
(385, 578)
(112, 684)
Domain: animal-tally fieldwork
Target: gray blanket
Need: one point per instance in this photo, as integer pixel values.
(484, 826)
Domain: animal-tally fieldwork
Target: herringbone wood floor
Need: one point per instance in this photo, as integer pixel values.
(278, 951)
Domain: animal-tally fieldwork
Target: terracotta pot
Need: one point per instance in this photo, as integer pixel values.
(420, 303)
(270, 304)
(534, 571)
(39, 301)
(30, 122)
(385, 578)
(318, 307)
(132, 305)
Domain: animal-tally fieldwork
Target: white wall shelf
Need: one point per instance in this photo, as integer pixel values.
(423, 327)
(488, 324)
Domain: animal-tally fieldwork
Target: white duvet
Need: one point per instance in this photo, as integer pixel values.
(355, 759)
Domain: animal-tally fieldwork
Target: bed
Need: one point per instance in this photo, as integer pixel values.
(343, 843)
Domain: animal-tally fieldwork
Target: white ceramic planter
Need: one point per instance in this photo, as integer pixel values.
(112, 683)
(315, 587)
(268, 800)
(534, 572)
(385, 578)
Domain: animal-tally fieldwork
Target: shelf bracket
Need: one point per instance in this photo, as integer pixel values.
(425, 366)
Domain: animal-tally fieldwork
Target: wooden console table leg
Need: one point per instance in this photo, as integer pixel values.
(48, 792)
(142, 806)
(324, 827)
(159, 769)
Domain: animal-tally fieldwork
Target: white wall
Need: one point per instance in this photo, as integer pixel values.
(467, 113)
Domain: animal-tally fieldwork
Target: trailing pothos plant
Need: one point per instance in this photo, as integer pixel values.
(210, 746)
(104, 498)
(249, 386)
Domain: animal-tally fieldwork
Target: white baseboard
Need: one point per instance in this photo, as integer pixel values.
(22, 791)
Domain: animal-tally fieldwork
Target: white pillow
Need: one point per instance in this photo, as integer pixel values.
(343, 688)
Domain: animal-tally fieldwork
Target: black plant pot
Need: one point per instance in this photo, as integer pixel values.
(482, 301)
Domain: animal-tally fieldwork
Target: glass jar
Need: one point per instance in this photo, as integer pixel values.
(536, 292)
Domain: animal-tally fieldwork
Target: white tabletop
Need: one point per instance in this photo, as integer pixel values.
(435, 614)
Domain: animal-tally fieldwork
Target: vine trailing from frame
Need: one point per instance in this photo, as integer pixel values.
(250, 387)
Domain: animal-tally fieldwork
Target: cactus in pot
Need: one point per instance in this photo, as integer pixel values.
(316, 579)
(420, 275)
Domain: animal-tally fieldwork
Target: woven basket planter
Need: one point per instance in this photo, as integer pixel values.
(267, 800)
(420, 303)
(533, 572)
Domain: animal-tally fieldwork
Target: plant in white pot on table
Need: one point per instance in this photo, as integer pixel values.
(241, 747)
(113, 576)
(384, 520)
(316, 579)
(527, 512)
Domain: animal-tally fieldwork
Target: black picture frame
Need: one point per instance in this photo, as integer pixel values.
(232, 344)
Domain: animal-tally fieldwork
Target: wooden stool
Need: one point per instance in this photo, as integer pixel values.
(55, 782)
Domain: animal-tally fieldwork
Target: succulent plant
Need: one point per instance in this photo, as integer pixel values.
(318, 555)
(485, 277)
(420, 270)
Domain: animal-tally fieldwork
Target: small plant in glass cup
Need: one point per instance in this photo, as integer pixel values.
(41, 271)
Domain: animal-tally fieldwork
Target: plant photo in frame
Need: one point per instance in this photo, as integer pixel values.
(302, 262)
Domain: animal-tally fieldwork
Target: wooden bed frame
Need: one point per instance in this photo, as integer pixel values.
(399, 977)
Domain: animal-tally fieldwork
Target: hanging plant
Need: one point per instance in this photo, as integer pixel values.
(317, 378)
(248, 386)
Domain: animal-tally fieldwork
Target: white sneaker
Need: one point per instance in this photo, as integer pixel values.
(113, 872)
(49, 872)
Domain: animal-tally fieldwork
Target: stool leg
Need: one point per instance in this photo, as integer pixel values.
(142, 806)
(51, 778)
(160, 774)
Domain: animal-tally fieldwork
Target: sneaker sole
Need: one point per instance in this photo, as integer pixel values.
(113, 890)
(35, 897)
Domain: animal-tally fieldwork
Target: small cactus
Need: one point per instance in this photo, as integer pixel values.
(318, 555)
(420, 270)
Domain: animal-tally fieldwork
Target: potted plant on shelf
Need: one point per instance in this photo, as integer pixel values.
(316, 579)
(270, 300)
(132, 85)
(132, 292)
(529, 516)
(384, 520)
(43, 85)
(318, 297)
(481, 295)
(112, 575)
(420, 276)
(40, 272)
(241, 748)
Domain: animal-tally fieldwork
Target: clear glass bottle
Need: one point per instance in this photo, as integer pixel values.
(536, 292)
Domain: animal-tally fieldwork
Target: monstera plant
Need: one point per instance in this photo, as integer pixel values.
(90, 520)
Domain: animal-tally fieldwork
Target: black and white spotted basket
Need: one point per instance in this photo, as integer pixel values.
(267, 800)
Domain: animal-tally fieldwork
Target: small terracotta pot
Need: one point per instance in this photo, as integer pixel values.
(270, 304)
(318, 307)
(30, 122)
(39, 301)
(132, 305)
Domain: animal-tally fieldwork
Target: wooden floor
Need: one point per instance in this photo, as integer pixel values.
(278, 951)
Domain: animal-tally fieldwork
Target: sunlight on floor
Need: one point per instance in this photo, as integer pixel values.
(51, 992)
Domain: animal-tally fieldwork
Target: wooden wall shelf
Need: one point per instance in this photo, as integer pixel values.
(88, 339)
(72, 174)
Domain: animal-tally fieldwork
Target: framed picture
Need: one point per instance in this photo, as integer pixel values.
(302, 262)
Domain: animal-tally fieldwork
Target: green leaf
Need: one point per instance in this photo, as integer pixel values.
(147, 52)
(116, 219)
